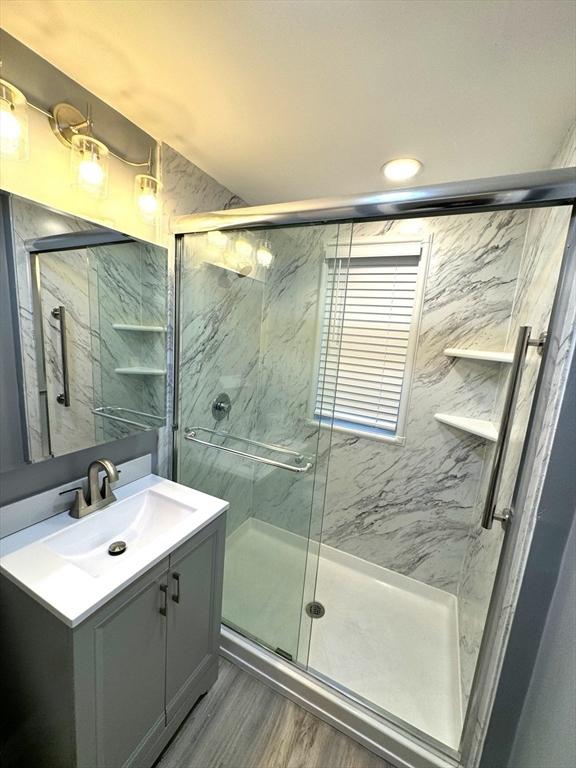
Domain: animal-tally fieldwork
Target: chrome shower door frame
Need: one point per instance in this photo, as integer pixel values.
(532, 190)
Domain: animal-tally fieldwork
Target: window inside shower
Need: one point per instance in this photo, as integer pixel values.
(364, 561)
(362, 381)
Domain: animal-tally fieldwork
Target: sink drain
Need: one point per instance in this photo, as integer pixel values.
(315, 610)
(117, 548)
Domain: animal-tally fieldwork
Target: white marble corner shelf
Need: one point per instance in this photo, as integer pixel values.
(139, 328)
(480, 354)
(480, 427)
(137, 371)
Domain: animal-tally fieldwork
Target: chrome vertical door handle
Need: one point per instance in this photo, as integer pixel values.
(59, 313)
(490, 512)
(163, 608)
(176, 594)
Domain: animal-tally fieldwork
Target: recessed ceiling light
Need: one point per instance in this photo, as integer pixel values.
(401, 169)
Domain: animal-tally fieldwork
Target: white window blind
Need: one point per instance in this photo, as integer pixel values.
(365, 336)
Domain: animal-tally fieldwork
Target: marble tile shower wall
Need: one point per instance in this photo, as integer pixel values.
(536, 286)
(220, 342)
(406, 507)
(288, 341)
(186, 189)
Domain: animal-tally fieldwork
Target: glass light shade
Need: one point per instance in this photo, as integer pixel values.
(401, 169)
(147, 194)
(264, 256)
(13, 122)
(89, 165)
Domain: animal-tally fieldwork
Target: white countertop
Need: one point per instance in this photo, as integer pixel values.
(69, 591)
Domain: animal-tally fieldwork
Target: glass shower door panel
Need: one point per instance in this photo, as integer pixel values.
(405, 568)
(249, 306)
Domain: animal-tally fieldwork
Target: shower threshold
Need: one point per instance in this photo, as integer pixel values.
(389, 641)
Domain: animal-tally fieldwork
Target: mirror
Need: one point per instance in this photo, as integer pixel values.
(87, 313)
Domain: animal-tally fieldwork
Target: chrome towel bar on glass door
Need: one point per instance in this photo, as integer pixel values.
(191, 434)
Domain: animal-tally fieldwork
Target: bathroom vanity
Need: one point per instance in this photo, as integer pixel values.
(104, 655)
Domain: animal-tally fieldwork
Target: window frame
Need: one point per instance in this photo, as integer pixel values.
(423, 245)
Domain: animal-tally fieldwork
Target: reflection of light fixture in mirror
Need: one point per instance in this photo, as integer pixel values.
(89, 165)
(264, 256)
(217, 239)
(243, 248)
(147, 192)
(13, 122)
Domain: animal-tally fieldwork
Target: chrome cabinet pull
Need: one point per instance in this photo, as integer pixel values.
(176, 594)
(163, 608)
(523, 341)
(59, 313)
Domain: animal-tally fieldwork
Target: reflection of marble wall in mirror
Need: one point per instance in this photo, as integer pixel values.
(101, 286)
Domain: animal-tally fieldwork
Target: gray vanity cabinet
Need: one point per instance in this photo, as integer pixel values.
(111, 692)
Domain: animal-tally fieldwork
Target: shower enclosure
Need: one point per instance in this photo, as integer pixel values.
(360, 390)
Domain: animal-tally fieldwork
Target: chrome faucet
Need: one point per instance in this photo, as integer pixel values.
(97, 497)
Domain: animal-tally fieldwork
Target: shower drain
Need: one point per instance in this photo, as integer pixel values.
(315, 610)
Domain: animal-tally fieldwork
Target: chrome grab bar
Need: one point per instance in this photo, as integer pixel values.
(59, 313)
(103, 411)
(190, 434)
(490, 512)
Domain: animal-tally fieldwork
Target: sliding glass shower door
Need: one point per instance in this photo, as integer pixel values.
(250, 305)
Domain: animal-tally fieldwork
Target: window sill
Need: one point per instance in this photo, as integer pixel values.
(392, 440)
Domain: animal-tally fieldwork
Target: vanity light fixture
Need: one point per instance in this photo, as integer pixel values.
(264, 255)
(401, 169)
(13, 122)
(147, 193)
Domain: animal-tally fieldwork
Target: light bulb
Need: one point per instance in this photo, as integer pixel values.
(146, 193)
(90, 173)
(217, 239)
(13, 122)
(148, 203)
(10, 132)
(89, 165)
(264, 256)
(401, 169)
(243, 248)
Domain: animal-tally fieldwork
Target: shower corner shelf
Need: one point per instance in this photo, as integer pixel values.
(139, 371)
(480, 354)
(480, 427)
(139, 328)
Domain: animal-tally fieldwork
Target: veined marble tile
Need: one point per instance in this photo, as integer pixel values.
(537, 281)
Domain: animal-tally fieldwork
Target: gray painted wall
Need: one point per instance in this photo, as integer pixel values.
(546, 732)
(537, 684)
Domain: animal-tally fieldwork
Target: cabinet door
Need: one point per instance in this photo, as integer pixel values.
(128, 653)
(195, 599)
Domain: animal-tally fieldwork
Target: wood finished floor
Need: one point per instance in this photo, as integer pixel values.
(242, 723)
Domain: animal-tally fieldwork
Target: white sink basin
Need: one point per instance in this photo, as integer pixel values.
(138, 521)
(65, 564)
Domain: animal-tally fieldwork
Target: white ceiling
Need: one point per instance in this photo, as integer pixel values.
(288, 99)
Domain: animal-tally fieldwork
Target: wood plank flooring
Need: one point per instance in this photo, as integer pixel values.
(242, 723)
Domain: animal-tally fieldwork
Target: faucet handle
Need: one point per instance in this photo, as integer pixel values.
(78, 508)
